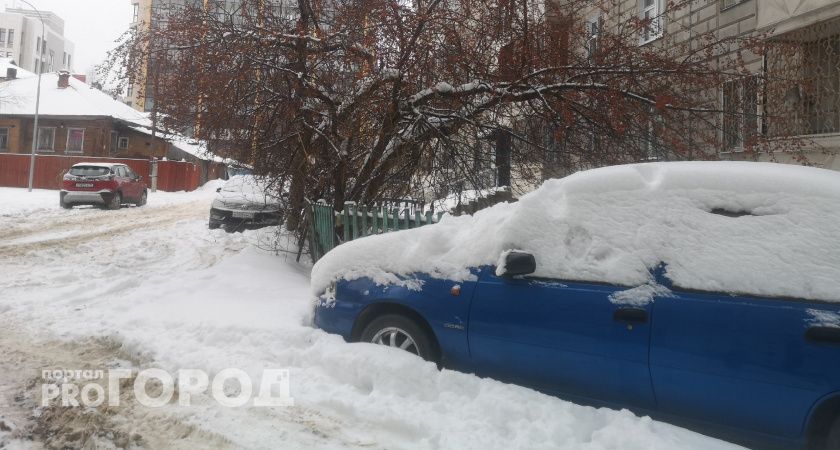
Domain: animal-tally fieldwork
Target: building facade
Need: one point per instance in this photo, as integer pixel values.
(810, 32)
(21, 40)
(150, 14)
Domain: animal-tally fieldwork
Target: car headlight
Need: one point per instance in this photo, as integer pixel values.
(329, 294)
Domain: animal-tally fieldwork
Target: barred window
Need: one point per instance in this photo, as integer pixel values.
(805, 72)
(740, 112)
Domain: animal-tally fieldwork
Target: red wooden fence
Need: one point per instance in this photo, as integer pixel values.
(49, 170)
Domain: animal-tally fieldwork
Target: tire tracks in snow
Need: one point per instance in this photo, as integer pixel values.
(106, 229)
(128, 425)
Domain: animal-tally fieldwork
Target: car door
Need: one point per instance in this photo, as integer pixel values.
(133, 182)
(562, 337)
(754, 364)
(119, 173)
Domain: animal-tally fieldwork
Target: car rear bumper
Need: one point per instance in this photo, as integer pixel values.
(251, 218)
(87, 197)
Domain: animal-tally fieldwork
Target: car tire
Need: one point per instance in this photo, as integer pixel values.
(116, 201)
(143, 198)
(402, 332)
(832, 440)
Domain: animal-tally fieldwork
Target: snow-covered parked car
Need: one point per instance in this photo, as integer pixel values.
(246, 201)
(703, 293)
(102, 184)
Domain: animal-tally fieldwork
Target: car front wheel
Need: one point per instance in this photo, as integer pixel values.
(400, 332)
(143, 198)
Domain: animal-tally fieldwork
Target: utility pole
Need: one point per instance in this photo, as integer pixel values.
(37, 98)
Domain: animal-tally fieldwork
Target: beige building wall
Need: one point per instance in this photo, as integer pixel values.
(141, 18)
(816, 21)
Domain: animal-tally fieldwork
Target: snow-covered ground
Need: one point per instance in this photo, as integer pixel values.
(153, 287)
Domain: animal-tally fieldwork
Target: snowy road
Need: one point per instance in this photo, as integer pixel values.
(153, 287)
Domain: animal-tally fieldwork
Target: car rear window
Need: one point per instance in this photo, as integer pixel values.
(89, 171)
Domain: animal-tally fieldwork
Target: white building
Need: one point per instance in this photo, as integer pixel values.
(20, 40)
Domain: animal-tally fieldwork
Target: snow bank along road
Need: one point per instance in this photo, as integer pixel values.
(152, 287)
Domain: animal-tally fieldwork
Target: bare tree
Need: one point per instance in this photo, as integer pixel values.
(379, 98)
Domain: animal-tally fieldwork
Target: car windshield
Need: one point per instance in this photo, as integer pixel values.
(247, 184)
(89, 171)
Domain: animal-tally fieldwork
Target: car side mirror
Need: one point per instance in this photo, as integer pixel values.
(516, 263)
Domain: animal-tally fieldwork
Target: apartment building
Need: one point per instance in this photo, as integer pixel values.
(810, 32)
(21, 40)
(148, 14)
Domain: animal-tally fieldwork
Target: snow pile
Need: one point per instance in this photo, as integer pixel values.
(741, 227)
(189, 297)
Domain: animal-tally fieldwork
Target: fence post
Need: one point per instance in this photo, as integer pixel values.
(385, 219)
(346, 222)
(355, 221)
(364, 221)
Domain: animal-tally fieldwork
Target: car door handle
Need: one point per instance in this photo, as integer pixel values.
(828, 335)
(631, 315)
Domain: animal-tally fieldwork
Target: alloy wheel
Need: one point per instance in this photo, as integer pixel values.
(395, 337)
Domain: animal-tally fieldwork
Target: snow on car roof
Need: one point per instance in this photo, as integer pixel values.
(96, 164)
(741, 227)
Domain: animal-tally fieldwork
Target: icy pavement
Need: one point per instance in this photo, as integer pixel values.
(153, 287)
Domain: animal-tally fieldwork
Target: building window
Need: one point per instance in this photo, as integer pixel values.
(136, 15)
(46, 139)
(4, 139)
(740, 113)
(809, 105)
(11, 40)
(36, 66)
(593, 30)
(69, 62)
(75, 140)
(651, 14)
(2, 37)
(726, 4)
(123, 143)
(38, 45)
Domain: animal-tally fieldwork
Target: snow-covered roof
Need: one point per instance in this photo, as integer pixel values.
(17, 97)
(6, 63)
(78, 99)
(742, 227)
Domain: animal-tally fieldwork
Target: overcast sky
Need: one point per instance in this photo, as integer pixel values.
(93, 25)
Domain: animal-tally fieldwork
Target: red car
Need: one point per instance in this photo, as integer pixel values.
(102, 184)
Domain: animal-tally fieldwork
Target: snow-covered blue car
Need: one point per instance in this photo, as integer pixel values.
(705, 294)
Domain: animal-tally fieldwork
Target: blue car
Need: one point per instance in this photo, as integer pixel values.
(759, 370)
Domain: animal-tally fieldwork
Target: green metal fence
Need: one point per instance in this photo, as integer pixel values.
(329, 228)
